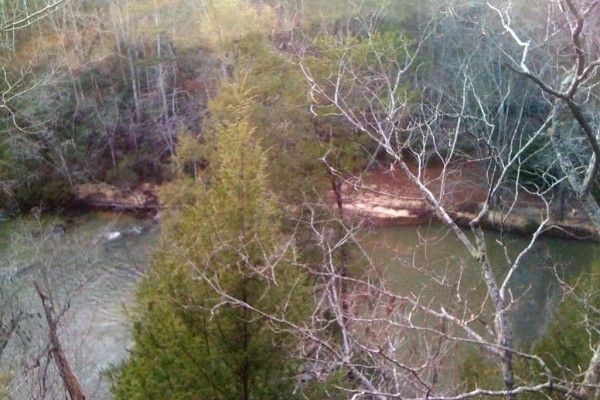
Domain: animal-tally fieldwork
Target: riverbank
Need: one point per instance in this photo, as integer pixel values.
(388, 198)
(143, 198)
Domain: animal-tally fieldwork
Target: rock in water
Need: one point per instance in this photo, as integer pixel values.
(135, 230)
(58, 230)
(110, 236)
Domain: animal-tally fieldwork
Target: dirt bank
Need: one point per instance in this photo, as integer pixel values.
(389, 198)
(109, 197)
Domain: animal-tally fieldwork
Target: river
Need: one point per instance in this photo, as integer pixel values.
(87, 267)
(410, 257)
(97, 272)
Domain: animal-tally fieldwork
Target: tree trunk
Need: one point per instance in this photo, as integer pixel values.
(501, 322)
(561, 147)
(591, 382)
(62, 364)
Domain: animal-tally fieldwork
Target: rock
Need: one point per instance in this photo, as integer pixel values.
(134, 230)
(110, 236)
(58, 230)
(105, 196)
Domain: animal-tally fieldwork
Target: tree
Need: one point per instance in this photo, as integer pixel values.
(463, 124)
(17, 18)
(565, 70)
(205, 322)
(227, 22)
(70, 380)
(18, 15)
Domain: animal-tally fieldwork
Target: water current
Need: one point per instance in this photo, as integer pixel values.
(91, 263)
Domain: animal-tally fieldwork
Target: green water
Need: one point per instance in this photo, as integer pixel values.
(430, 261)
(98, 276)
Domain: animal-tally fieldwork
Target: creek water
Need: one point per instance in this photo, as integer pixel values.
(89, 263)
(95, 270)
(431, 262)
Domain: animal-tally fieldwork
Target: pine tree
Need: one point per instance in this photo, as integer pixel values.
(197, 331)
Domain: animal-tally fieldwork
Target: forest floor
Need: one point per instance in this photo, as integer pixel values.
(389, 197)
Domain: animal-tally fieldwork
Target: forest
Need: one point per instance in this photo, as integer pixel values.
(272, 141)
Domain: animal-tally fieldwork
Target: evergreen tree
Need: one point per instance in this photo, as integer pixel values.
(204, 326)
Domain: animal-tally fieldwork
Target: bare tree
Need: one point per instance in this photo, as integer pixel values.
(14, 17)
(67, 375)
(454, 126)
(18, 15)
(35, 346)
(563, 62)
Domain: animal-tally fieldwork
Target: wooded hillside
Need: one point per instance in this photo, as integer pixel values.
(259, 118)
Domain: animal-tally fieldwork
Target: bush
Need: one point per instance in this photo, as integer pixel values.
(50, 191)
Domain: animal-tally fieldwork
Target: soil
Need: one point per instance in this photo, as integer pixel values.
(105, 196)
(389, 197)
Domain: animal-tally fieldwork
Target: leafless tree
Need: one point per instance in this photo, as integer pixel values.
(14, 17)
(67, 375)
(18, 15)
(563, 61)
(374, 101)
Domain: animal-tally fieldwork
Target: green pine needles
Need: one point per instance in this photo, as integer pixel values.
(208, 319)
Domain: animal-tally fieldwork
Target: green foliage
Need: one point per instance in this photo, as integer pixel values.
(24, 188)
(196, 331)
(189, 154)
(358, 73)
(479, 371)
(537, 166)
(226, 22)
(280, 114)
(332, 388)
(337, 16)
(122, 173)
(5, 380)
(574, 333)
(356, 64)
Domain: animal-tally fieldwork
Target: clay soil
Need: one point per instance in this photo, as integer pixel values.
(389, 197)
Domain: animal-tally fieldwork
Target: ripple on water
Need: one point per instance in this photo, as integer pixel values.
(98, 275)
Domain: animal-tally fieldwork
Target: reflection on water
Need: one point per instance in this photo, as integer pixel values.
(432, 262)
(96, 259)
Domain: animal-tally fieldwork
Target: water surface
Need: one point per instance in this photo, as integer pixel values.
(96, 277)
(430, 261)
(85, 272)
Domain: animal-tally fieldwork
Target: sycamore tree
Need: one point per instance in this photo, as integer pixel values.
(205, 321)
(377, 82)
(556, 49)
